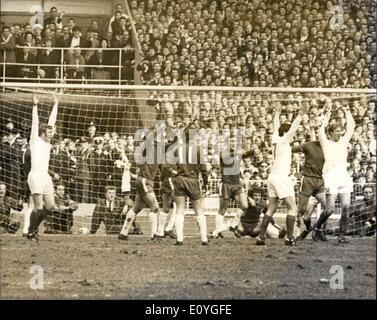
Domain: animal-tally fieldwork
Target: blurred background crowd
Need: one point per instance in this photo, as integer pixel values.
(297, 43)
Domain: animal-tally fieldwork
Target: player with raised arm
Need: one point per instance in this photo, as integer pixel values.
(311, 183)
(338, 182)
(279, 184)
(231, 187)
(39, 180)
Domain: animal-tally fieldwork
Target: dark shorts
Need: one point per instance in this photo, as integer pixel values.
(230, 191)
(189, 187)
(250, 228)
(311, 186)
(143, 186)
(167, 186)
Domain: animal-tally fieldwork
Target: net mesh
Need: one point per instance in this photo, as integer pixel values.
(94, 145)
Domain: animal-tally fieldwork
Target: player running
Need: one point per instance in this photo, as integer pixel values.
(279, 184)
(338, 182)
(145, 197)
(311, 183)
(39, 180)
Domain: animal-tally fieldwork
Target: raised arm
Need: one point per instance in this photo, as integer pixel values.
(54, 113)
(324, 122)
(35, 121)
(350, 126)
(296, 123)
(275, 133)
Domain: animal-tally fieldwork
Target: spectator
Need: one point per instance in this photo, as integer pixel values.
(77, 40)
(114, 20)
(55, 18)
(76, 63)
(61, 219)
(7, 225)
(110, 211)
(7, 53)
(47, 57)
(97, 163)
(101, 59)
(364, 213)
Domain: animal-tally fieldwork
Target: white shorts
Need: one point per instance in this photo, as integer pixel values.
(40, 184)
(280, 186)
(338, 182)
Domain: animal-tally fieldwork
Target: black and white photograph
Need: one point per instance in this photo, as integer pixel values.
(188, 150)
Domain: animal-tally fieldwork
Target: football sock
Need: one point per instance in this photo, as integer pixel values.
(153, 219)
(322, 219)
(236, 220)
(290, 221)
(130, 217)
(219, 223)
(266, 220)
(28, 212)
(202, 222)
(162, 216)
(171, 223)
(179, 224)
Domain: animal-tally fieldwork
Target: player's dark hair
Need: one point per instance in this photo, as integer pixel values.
(255, 190)
(110, 188)
(332, 128)
(44, 127)
(284, 128)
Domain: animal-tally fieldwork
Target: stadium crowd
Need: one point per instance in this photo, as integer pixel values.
(298, 43)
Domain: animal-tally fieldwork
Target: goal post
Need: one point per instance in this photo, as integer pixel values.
(112, 114)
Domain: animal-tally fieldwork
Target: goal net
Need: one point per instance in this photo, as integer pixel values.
(94, 146)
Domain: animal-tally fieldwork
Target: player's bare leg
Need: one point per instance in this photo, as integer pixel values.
(345, 201)
(201, 220)
(273, 203)
(180, 218)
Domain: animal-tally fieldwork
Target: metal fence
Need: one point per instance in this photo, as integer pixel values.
(115, 67)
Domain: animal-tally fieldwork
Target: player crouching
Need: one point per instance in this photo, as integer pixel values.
(250, 224)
